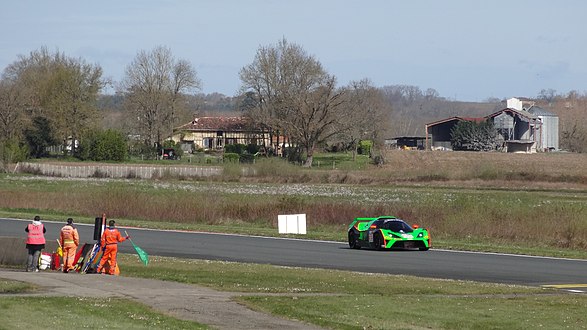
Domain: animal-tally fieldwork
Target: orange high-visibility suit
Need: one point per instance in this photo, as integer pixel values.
(110, 239)
(69, 240)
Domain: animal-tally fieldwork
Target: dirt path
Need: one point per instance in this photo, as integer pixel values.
(183, 301)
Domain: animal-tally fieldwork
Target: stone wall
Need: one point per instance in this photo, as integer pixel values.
(73, 170)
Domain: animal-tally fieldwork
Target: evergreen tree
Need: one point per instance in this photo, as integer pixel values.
(468, 135)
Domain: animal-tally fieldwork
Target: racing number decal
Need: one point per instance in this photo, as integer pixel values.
(370, 236)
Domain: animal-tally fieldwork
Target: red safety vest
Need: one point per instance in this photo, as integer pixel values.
(35, 235)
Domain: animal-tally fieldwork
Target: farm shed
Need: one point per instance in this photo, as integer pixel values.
(519, 128)
(438, 132)
(406, 142)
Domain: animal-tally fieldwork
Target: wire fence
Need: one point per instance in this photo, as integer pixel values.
(116, 171)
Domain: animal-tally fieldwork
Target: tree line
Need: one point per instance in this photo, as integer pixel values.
(48, 98)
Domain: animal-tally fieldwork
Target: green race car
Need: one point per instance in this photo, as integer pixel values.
(387, 232)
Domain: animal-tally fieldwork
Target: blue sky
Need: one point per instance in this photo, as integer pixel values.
(466, 50)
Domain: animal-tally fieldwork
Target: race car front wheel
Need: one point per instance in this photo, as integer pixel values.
(378, 241)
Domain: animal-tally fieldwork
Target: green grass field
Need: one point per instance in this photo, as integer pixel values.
(349, 300)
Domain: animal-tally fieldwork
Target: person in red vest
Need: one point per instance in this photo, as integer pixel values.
(109, 243)
(69, 240)
(35, 242)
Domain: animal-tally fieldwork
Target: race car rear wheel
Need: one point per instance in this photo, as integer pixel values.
(353, 240)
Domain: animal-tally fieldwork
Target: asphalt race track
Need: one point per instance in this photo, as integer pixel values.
(568, 274)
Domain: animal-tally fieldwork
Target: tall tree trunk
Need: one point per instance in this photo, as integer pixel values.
(309, 156)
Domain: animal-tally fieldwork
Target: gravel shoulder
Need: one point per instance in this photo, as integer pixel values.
(183, 301)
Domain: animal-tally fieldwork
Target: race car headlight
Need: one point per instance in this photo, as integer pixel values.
(420, 235)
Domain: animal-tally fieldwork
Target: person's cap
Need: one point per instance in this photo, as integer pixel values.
(69, 221)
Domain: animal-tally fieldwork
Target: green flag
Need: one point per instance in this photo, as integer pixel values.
(142, 254)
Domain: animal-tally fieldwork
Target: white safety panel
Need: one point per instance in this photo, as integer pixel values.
(291, 223)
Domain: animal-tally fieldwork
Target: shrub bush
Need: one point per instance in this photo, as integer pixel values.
(468, 135)
(253, 148)
(235, 148)
(365, 147)
(108, 145)
(247, 158)
(12, 151)
(231, 157)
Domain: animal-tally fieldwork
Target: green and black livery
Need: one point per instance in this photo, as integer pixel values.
(387, 232)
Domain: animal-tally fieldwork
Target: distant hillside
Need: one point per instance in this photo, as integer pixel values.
(413, 109)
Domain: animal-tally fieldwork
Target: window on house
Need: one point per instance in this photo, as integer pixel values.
(208, 143)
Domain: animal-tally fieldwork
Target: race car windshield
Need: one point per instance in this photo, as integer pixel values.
(397, 226)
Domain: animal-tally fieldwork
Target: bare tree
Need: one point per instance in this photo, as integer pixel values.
(289, 92)
(314, 118)
(367, 114)
(572, 113)
(31, 73)
(154, 86)
(431, 93)
(12, 115)
(548, 95)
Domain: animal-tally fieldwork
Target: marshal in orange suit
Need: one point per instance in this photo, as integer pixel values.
(109, 243)
(69, 239)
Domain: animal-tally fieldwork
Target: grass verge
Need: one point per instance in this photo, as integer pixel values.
(75, 313)
(8, 286)
(349, 300)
